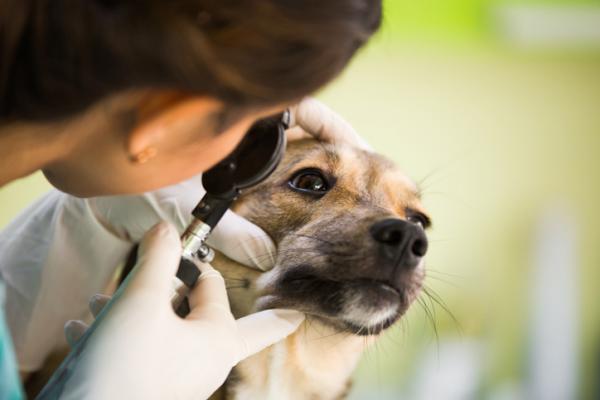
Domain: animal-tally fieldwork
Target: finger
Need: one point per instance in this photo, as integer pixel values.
(74, 330)
(324, 124)
(97, 303)
(208, 298)
(264, 328)
(244, 242)
(158, 258)
(297, 133)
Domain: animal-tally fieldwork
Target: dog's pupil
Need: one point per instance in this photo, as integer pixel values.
(312, 182)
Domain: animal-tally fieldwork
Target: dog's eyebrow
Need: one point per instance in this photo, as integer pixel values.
(295, 161)
(420, 214)
(419, 190)
(331, 156)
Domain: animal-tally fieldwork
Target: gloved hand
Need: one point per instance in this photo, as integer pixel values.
(314, 118)
(142, 350)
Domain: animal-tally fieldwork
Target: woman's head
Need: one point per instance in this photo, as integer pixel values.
(214, 64)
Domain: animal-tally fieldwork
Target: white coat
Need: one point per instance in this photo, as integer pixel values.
(62, 250)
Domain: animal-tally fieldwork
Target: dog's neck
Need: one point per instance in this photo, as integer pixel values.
(315, 362)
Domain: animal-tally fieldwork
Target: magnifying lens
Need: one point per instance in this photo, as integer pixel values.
(252, 161)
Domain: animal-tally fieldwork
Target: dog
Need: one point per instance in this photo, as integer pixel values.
(350, 231)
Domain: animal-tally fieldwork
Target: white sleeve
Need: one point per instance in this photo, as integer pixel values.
(131, 216)
(62, 250)
(53, 258)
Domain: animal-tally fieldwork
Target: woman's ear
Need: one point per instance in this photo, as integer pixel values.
(157, 117)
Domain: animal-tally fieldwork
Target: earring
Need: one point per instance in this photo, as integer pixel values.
(143, 156)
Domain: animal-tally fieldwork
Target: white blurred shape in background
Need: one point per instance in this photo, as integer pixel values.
(548, 26)
(554, 320)
(450, 371)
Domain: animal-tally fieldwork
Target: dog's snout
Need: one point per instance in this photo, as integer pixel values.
(403, 242)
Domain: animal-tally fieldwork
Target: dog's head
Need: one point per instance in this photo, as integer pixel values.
(350, 232)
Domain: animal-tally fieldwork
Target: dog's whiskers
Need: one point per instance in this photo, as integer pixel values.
(443, 281)
(430, 318)
(429, 269)
(313, 238)
(434, 297)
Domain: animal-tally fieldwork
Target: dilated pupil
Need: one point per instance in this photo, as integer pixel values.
(311, 182)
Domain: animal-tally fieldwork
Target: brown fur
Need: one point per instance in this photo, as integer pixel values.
(331, 234)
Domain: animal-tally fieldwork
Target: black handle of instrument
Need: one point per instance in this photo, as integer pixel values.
(188, 273)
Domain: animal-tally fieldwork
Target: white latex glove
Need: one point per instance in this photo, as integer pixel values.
(142, 350)
(314, 118)
(130, 217)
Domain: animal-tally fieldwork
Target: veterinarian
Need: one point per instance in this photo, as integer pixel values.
(124, 97)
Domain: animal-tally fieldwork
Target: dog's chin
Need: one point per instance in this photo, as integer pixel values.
(358, 306)
(371, 307)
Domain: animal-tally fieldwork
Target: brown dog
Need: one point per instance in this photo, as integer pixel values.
(349, 227)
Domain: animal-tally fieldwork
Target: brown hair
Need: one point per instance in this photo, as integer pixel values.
(57, 57)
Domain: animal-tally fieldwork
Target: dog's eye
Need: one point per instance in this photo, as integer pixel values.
(418, 219)
(309, 181)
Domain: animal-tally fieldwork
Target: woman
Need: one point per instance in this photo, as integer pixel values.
(114, 97)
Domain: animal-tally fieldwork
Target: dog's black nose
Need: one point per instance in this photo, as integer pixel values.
(403, 242)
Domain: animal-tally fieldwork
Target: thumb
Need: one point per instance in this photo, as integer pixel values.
(264, 328)
(158, 258)
(324, 124)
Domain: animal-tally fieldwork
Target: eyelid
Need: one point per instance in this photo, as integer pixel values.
(308, 170)
(311, 170)
(426, 221)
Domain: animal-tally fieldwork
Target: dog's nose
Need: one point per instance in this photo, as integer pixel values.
(403, 242)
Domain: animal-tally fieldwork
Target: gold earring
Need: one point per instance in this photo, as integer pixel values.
(143, 156)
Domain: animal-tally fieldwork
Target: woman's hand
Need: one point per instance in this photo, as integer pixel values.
(141, 349)
(311, 118)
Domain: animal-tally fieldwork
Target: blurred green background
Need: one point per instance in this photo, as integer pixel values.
(494, 107)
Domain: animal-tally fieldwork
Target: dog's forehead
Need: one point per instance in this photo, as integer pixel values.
(372, 169)
(362, 170)
(347, 161)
